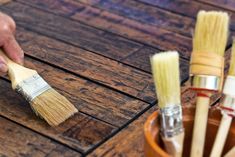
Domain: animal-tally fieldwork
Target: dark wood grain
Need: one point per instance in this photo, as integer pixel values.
(95, 67)
(128, 9)
(18, 141)
(129, 142)
(150, 34)
(72, 32)
(15, 108)
(189, 8)
(80, 132)
(226, 4)
(141, 57)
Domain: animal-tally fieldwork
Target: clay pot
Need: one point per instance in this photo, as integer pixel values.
(154, 146)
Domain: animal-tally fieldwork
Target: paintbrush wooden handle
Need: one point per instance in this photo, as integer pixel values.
(16, 72)
(174, 145)
(199, 129)
(221, 136)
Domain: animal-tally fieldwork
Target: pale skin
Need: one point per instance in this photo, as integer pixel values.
(8, 42)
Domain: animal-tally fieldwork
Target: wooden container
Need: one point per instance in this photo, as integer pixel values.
(154, 146)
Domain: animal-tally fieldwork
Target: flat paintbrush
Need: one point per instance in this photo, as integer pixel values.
(44, 100)
(227, 108)
(165, 69)
(206, 69)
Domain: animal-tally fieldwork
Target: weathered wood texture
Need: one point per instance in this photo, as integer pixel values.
(91, 99)
(96, 53)
(18, 141)
(189, 8)
(152, 34)
(87, 64)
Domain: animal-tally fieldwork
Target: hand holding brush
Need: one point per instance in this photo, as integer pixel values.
(206, 69)
(165, 69)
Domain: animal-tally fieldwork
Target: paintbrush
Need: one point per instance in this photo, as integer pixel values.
(44, 100)
(165, 69)
(227, 108)
(206, 69)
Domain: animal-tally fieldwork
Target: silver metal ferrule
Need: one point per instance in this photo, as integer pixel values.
(171, 120)
(32, 87)
(205, 82)
(228, 102)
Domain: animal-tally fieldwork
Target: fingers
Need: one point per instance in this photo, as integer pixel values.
(3, 66)
(13, 50)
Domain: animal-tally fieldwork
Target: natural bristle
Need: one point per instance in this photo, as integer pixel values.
(232, 62)
(211, 32)
(165, 69)
(53, 107)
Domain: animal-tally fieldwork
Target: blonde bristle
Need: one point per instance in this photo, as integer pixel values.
(232, 61)
(53, 107)
(211, 32)
(165, 69)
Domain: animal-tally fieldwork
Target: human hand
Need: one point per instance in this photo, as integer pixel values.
(8, 42)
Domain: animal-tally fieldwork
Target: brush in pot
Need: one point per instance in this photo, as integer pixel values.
(44, 100)
(227, 108)
(206, 69)
(165, 69)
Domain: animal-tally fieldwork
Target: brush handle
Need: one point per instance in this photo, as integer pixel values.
(221, 136)
(174, 145)
(16, 72)
(199, 128)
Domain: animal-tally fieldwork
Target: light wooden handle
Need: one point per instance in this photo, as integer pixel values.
(221, 136)
(174, 145)
(16, 72)
(199, 128)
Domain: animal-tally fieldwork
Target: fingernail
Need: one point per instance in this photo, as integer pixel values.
(3, 67)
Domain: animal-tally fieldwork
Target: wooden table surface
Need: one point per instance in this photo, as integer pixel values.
(96, 53)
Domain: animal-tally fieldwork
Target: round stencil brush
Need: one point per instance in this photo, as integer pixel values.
(165, 69)
(44, 100)
(206, 69)
(227, 108)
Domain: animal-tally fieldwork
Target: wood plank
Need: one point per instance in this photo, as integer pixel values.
(132, 29)
(128, 142)
(72, 32)
(18, 141)
(80, 132)
(74, 132)
(226, 4)
(188, 8)
(129, 9)
(140, 59)
(95, 67)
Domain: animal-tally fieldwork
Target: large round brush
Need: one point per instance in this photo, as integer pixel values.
(227, 108)
(165, 69)
(206, 69)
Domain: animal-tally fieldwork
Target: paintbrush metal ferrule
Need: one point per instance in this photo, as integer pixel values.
(32, 87)
(205, 82)
(171, 120)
